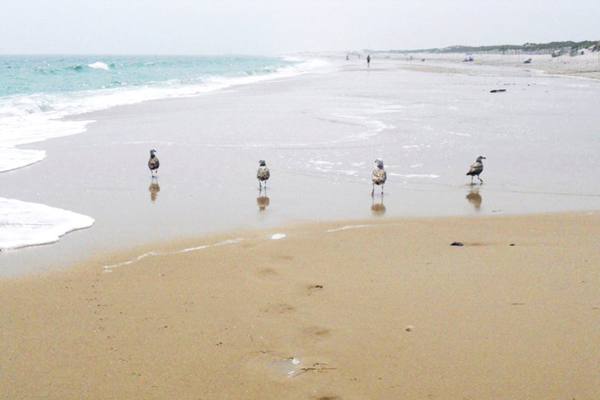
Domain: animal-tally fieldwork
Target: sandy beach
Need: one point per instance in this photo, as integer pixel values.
(274, 200)
(197, 286)
(580, 66)
(344, 310)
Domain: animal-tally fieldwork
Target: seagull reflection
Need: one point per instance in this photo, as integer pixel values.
(154, 189)
(378, 208)
(262, 201)
(475, 198)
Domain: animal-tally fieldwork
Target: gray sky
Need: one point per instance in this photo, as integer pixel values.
(284, 26)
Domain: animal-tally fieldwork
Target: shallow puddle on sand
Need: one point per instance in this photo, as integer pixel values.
(287, 366)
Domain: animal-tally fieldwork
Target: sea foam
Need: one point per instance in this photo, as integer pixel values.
(99, 65)
(25, 224)
(109, 268)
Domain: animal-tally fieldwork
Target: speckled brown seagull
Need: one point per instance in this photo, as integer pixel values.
(476, 169)
(262, 174)
(379, 175)
(153, 162)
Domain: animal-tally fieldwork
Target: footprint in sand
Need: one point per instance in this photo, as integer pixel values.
(282, 308)
(282, 257)
(317, 332)
(267, 273)
(312, 289)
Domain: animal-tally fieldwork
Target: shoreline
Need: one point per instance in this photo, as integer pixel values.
(318, 131)
(177, 246)
(386, 310)
(580, 67)
(124, 256)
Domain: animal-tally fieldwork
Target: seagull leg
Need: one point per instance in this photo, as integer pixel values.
(373, 191)
(480, 180)
(471, 180)
(381, 190)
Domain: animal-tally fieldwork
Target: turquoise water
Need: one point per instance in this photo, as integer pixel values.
(58, 74)
(38, 92)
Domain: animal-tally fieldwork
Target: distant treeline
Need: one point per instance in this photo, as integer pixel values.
(510, 48)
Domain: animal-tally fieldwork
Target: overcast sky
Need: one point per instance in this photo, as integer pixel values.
(284, 26)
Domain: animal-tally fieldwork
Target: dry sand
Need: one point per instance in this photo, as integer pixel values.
(386, 311)
(580, 66)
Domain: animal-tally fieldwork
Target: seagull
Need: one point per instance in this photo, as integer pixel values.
(153, 163)
(476, 169)
(262, 174)
(379, 175)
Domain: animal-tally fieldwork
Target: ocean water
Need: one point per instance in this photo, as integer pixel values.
(38, 92)
(27, 75)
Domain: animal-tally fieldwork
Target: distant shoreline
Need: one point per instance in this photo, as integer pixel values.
(581, 66)
(529, 48)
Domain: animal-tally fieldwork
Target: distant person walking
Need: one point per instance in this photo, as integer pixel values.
(369, 60)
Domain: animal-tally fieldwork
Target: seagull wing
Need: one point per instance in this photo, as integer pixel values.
(153, 163)
(475, 169)
(263, 173)
(379, 176)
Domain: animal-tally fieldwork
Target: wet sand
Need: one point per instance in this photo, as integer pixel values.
(320, 134)
(381, 309)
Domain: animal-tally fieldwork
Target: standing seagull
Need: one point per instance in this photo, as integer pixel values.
(379, 175)
(262, 174)
(153, 162)
(476, 169)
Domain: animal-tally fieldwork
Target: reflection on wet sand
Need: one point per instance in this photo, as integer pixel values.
(262, 200)
(378, 208)
(475, 198)
(154, 189)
